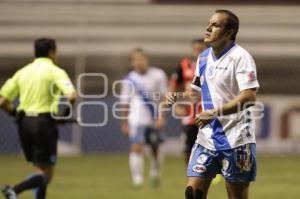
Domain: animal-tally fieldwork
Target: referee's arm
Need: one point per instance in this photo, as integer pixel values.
(71, 97)
(7, 106)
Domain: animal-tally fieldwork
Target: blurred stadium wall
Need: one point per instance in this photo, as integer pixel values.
(95, 36)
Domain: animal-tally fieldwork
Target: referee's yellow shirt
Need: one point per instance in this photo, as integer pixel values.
(38, 86)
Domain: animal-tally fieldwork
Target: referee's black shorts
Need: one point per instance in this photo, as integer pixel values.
(191, 132)
(38, 136)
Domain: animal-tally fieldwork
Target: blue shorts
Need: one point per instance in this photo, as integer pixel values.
(236, 165)
(145, 134)
(136, 135)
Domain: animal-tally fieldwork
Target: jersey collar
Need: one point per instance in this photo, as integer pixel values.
(223, 52)
(43, 59)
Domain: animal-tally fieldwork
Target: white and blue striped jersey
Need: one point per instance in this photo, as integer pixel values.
(143, 93)
(220, 80)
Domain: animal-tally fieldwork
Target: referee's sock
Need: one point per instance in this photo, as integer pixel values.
(40, 192)
(34, 181)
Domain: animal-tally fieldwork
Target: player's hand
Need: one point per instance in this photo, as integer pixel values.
(171, 98)
(159, 123)
(204, 118)
(125, 128)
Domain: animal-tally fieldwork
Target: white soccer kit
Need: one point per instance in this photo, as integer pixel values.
(220, 81)
(152, 85)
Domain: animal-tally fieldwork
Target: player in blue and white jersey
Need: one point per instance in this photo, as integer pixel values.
(142, 92)
(226, 77)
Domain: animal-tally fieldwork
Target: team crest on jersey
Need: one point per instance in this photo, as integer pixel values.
(199, 168)
(202, 159)
(210, 71)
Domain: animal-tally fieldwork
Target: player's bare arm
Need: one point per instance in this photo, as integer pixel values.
(124, 120)
(188, 95)
(244, 100)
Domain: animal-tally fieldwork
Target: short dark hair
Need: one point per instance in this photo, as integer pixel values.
(232, 22)
(43, 46)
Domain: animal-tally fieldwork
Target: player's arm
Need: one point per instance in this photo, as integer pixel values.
(124, 118)
(244, 100)
(189, 95)
(245, 75)
(64, 84)
(163, 90)
(127, 90)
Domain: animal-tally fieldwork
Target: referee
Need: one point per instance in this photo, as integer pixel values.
(38, 86)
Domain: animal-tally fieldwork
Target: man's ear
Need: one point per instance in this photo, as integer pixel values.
(52, 55)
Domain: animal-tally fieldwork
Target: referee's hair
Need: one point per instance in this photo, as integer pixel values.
(232, 22)
(43, 46)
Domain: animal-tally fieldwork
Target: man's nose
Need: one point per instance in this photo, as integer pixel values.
(208, 28)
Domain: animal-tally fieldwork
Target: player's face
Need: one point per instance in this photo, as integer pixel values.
(139, 61)
(215, 30)
(197, 48)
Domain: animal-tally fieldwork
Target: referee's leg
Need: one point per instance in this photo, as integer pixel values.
(43, 134)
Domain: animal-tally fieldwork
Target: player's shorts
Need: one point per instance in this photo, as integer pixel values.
(191, 132)
(38, 136)
(236, 165)
(145, 134)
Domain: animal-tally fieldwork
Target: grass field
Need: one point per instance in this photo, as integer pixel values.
(107, 177)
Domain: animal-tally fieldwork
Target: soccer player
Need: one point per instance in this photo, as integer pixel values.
(142, 91)
(226, 77)
(183, 77)
(38, 86)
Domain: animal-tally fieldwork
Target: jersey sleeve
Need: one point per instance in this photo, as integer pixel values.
(127, 90)
(246, 72)
(63, 82)
(10, 89)
(195, 84)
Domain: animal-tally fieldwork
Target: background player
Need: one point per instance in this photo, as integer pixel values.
(37, 86)
(226, 77)
(143, 91)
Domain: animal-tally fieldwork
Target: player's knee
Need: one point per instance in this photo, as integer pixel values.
(189, 193)
(137, 148)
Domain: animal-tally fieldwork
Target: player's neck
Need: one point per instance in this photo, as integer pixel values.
(142, 71)
(219, 49)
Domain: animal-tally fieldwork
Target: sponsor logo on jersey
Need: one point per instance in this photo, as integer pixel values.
(199, 168)
(251, 76)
